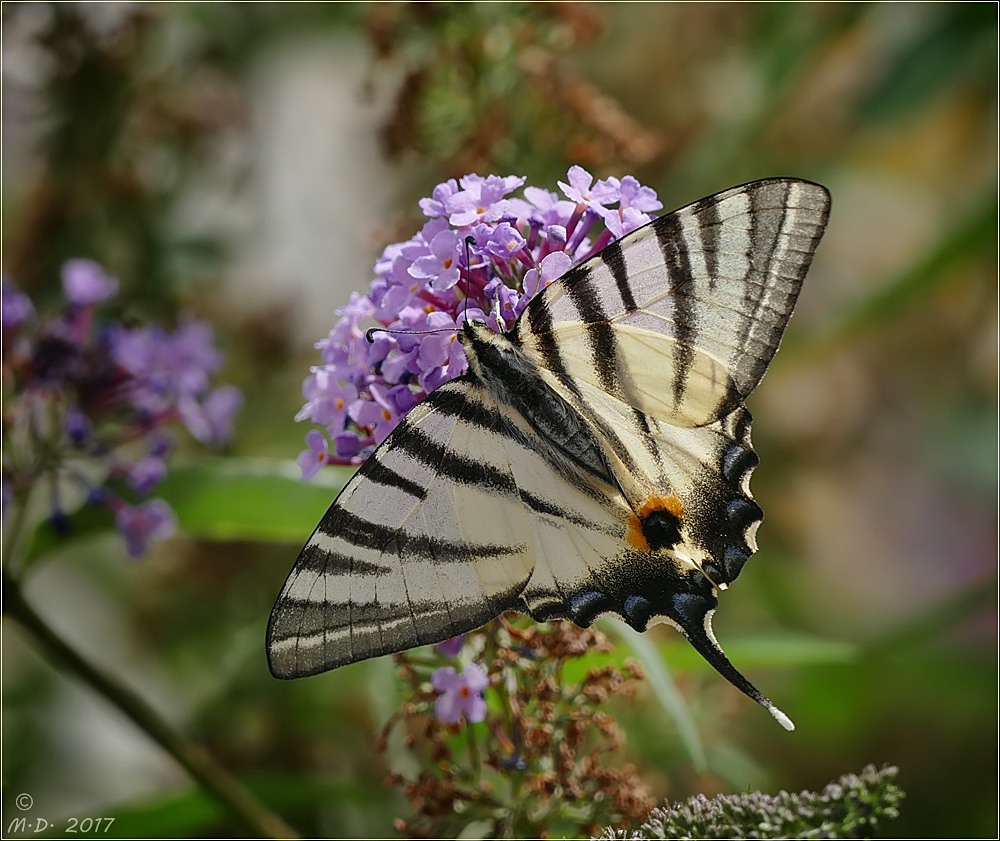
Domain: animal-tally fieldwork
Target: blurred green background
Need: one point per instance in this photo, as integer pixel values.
(249, 162)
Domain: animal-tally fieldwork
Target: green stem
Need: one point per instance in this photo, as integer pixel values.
(473, 743)
(254, 817)
(15, 534)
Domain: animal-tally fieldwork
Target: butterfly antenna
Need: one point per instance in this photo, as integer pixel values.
(370, 333)
(469, 242)
(694, 616)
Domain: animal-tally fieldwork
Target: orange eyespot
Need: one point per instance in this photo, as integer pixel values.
(635, 535)
(671, 504)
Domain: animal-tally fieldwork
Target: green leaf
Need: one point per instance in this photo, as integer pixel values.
(249, 499)
(765, 650)
(221, 499)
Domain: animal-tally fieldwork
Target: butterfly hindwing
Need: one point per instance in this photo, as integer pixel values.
(658, 340)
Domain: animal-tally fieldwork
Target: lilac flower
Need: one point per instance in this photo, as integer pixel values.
(316, 454)
(451, 647)
(435, 206)
(480, 200)
(625, 221)
(147, 474)
(583, 191)
(78, 427)
(426, 287)
(328, 400)
(173, 370)
(84, 392)
(551, 267)
(633, 194)
(15, 307)
(547, 207)
(209, 418)
(633, 210)
(348, 446)
(440, 267)
(140, 524)
(85, 283)
(379, 414)
(504, 242)
(440, 357)
(461, 694)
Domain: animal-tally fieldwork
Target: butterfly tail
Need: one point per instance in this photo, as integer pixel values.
(693, 613)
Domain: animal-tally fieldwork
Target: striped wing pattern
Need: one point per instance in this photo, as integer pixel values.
(398, 561)
(659, 339)
(595, 459)
(706, 290)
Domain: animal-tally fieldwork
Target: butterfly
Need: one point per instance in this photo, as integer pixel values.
(594, 459)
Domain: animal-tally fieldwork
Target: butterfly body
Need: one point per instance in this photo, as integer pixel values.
(596, 458)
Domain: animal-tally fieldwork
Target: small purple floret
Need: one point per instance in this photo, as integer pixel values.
(451, 647)
(140, 524)
(316, 454)
(85, 283)
(461, 694)
(15, 307)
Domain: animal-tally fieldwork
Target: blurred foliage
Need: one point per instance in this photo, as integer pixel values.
(484, 84)
(877, 426)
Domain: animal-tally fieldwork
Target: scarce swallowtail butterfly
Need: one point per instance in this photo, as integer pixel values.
(594, 459)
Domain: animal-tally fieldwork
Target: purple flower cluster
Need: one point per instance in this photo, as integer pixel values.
(93, 404)
(426, 287)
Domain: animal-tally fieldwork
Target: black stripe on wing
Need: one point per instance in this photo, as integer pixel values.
(600, 334)
(614, 259)
(674, 248)
(392, 540)
(540, 323)
(462, 468)
(767, 222)
(709, 228)
(382, 475)
(474, 412)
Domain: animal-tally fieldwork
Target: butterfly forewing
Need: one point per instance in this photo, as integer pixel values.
(405, 556)
(682, 317)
